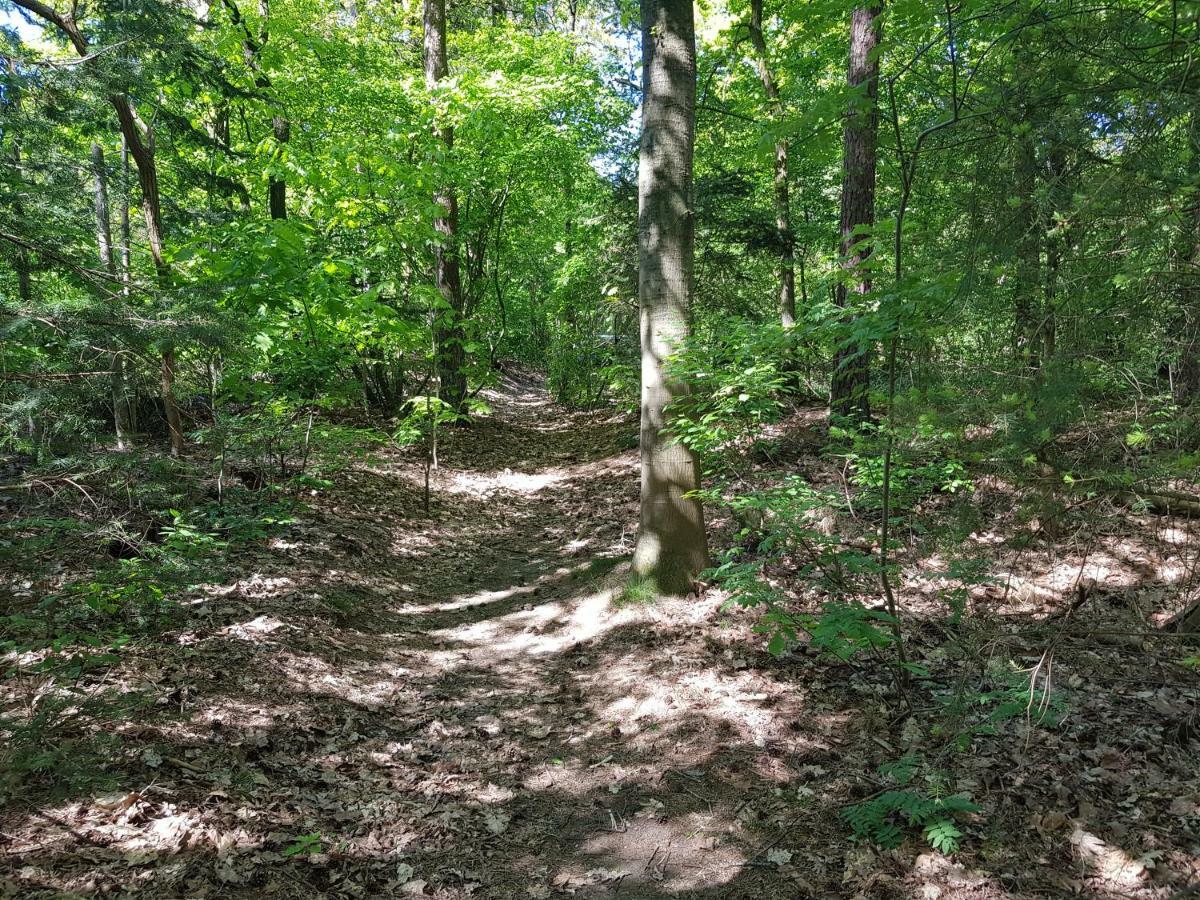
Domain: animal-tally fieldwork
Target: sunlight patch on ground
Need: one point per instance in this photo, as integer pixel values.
(666, 855)
(654, 697)
(371, 686)
(478, 484)
(255, 630)
(548, 628)
(483, 598)
(943, 879)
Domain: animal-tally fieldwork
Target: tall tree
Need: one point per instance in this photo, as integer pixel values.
(281, 128)
(783, 206)
(1185, 371)
(672, 547)
(139, 139)
(12, 106)
(850, 388)
(449, 338)
(104, 246)
(1028, 234)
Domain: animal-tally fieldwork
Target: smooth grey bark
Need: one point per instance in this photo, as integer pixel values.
(780, 175)
(851, 381)
(672, 547)
(104, 246)
(448, 334)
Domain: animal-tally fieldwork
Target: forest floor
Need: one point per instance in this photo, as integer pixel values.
(374, 702)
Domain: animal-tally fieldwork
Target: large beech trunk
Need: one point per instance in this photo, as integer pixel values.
(851, 382)
(672, 547)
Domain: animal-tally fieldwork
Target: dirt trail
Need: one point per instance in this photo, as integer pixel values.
(383, 703)
(390, 704)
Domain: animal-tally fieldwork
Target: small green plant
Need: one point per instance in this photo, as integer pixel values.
(637, 591)
(423, 415)
(923, 804)
(736, 379)
(1007, 694)
(304, 844)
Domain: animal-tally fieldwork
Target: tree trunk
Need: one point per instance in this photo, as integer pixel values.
(449, 337)
(783, 207)
(277, 186)
(672, 547)
(1029, 254)
(126, 270)
(174, 423)
(120, 396)
(851, 382)
(21, 261)
(139, 139)
(100, 204)
(1056, 245)
(1185, 369)
(281, 128)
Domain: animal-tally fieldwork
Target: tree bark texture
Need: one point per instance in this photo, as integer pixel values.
(449, 336)
(851, 382)
(672, 546)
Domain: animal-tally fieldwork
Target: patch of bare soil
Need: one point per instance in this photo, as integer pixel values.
(384, 704)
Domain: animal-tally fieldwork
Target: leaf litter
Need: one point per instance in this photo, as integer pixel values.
(381, 703)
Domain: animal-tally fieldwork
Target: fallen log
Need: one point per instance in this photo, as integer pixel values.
(1164, 501)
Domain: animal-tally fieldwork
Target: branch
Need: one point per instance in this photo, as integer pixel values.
(63, 63)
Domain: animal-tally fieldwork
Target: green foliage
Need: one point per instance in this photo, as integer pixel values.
(304, 845)
(423, 415)
(637, 591)
(926, 806)
(734, 380)
(968, 712)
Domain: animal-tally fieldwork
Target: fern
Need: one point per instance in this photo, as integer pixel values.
(886, 818)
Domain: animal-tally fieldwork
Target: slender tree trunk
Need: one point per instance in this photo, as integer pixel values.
(104, 246)
(100, 205)
(783, 207)
(174, 423)
(126, 269)
(851, 382)
(672, 546)
(1029, 254)
(1056, 245)
(21, 260)
(277, 186)
(449, 337)
(139, 139)
(1185, 374)
(281, 128)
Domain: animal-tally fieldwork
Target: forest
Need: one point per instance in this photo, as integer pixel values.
(586, 448)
